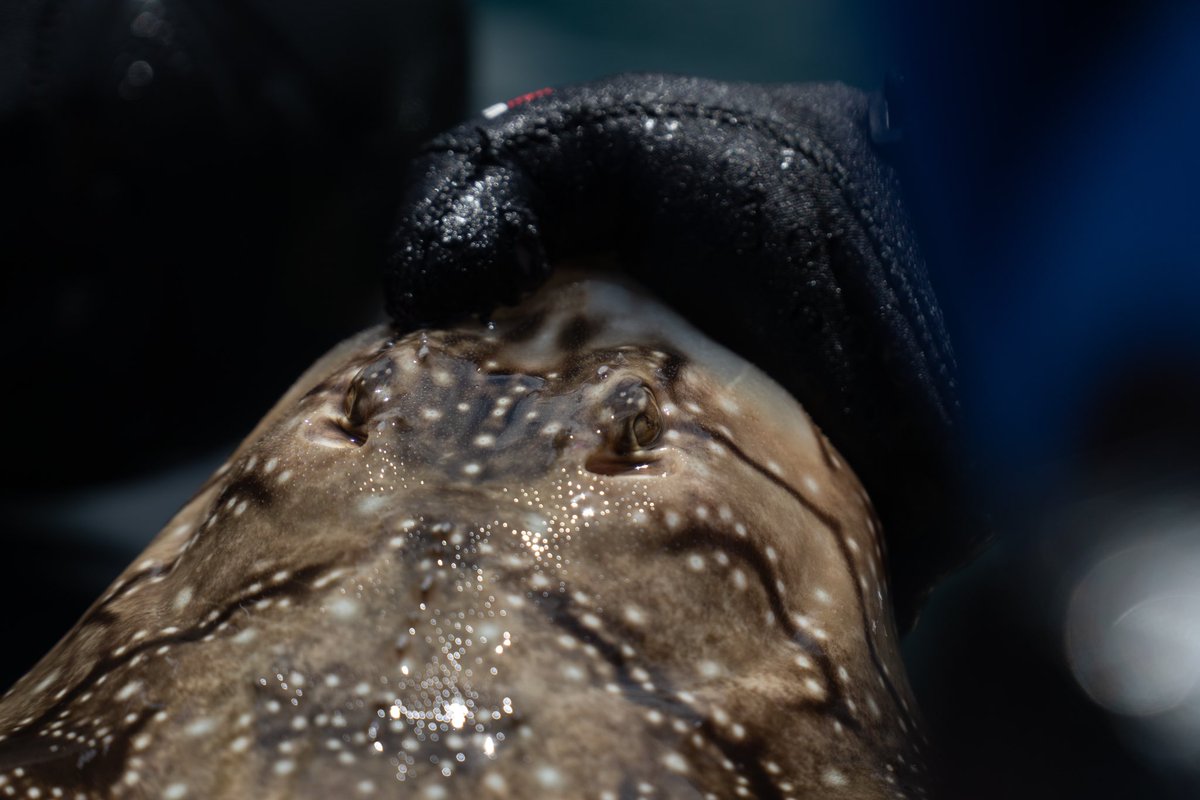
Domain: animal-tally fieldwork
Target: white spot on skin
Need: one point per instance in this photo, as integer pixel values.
(495, 781)
(284, 476)
(284, 766)
(183, 598)
(549, 777)
(240, 745)
(45, 682)
(344, 608)
(675, 762)
(471, 469)
(129, 690)
(695, 562)
(175, 791)
(634, 615)
(485, 440)
(200, 727)
(371, 503)
(270, 466)
(833, 778)
(811, 484)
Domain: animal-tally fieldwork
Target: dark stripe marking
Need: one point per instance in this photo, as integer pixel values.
(664, 697)
(835, 527)
(834, 705)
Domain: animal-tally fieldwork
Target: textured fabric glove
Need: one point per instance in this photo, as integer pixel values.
(763, 213)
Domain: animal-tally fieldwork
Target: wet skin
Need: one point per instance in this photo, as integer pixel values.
(579, 552)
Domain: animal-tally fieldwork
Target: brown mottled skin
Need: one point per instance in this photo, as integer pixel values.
(582, 552)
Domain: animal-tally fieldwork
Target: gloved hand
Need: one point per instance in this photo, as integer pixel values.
(764, 214)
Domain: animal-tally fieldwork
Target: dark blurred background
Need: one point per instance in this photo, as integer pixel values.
(196, 199)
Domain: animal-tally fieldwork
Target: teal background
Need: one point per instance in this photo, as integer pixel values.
(520, 46)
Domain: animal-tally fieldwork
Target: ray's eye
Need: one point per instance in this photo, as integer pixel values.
(632, 425)
(636, 422)
(645, 428)
(369, 392)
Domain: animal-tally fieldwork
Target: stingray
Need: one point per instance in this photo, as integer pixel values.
(577, 551)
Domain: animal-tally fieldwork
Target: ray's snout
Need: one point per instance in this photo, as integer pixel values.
(467, 406)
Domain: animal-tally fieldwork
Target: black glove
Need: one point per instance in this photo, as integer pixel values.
(764, 214)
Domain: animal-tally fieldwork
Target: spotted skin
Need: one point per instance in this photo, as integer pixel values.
(582, 552)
